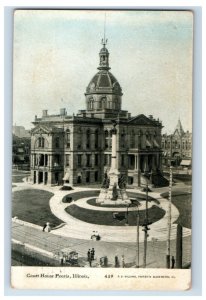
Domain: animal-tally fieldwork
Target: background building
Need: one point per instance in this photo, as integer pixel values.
(177, 147)
(21, 152)
(77, 149)
(20, 131)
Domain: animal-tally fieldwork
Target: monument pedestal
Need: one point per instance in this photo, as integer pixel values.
(113, 191)
(113, 195)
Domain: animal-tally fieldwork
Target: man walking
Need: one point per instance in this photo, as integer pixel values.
(88, 255)
(173, 262)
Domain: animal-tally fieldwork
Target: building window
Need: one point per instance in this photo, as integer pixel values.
(132, 139)
(79, 139)
(87, 176)
(122, 160)
(122, 139)
(68, 139)
(106, 142)
(96, 176)
(67, 160)
(103, 100)
(88, 138)
(91, 104)
(88, 160)
(56, 160)
(41, 142)
(57, 140)
(96, 159)
(96, 139)
(79, 160)
(46, 160)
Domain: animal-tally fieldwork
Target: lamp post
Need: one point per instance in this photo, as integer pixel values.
(137, 246)
(127, 220)
(169, 221)
(146, 228)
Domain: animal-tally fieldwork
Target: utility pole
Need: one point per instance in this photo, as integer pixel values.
(145, 229)
(137, 251)
(169, 221)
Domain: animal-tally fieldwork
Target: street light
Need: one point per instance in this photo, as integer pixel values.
(127, 219)
(146, 228)
(135, 201)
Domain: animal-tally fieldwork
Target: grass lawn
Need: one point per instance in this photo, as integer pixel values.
(33, 206)
(183, 202)
(106, 217)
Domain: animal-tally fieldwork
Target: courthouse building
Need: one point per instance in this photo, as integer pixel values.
(76, 149)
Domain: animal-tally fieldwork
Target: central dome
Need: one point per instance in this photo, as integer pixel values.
(104, 82)
(103, 93)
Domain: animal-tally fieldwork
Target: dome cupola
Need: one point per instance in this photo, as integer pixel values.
(104, 91)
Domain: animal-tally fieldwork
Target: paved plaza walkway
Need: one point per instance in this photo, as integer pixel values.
(115, 240)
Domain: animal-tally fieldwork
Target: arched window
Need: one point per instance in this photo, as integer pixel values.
(88, 138)
(41, 142)
(91, 103)
(104, 104)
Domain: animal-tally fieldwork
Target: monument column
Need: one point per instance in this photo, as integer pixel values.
(113, 186)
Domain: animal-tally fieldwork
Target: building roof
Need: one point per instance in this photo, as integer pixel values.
(179, 128)
(104, 82)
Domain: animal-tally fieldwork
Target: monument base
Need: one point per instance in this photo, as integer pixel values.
(106, 197)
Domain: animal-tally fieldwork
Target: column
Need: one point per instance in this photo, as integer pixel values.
(44, 176)
(146, 163)
(137, 173)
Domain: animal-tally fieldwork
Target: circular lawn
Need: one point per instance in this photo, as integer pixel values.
(107, 217)
(32, 206)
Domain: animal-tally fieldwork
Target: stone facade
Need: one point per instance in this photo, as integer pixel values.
(77, 149)
(177, 146)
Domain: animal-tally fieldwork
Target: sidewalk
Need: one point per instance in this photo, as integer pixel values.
(49, 243)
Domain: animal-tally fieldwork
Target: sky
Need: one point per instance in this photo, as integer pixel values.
(56, 53)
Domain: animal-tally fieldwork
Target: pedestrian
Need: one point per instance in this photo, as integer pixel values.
(89, 255)
(173, 262)
(62, 261)
(123, 263)
(116, 262)
(48, 227)
(44, 227)
(92, 254)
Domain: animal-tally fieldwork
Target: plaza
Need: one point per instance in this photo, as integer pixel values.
(71, 232)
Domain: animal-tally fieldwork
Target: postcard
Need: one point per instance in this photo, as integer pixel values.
(102, 149)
